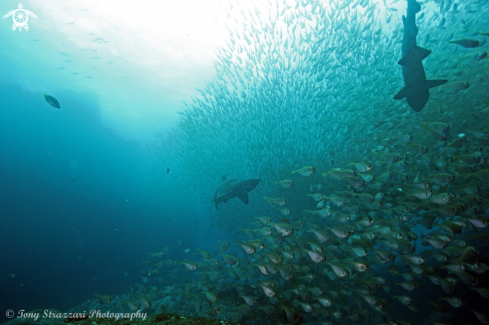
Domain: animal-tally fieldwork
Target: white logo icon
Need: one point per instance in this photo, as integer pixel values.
(20, 16)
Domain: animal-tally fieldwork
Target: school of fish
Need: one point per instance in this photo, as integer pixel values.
(366, 211)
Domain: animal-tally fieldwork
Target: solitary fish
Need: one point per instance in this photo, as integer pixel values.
(51, 101)
(286, 183)
(468, 43)
(132, 305)
(456, 86)
(481, 56)
(305, 171)
(144, 301)
(104, 299)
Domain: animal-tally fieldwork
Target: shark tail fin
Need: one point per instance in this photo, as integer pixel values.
(414, 6)
(434, 83)
(415, 55)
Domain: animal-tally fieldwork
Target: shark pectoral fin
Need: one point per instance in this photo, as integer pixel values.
(415, 55)
(244, 197)
(433, 83)
(405, 92)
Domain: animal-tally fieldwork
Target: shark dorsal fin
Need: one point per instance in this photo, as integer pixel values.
(224, 177)
(416, 55)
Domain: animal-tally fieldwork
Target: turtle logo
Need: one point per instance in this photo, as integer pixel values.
(20, 17)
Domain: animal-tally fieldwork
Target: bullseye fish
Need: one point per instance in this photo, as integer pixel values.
(104, 299)
(306, 171)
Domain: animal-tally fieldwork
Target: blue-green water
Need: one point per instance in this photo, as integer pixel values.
(113, 192)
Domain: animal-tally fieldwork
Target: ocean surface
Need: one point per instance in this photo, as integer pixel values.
(246, 160)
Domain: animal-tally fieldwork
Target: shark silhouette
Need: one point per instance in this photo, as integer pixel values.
(416, 87)
(234, 187)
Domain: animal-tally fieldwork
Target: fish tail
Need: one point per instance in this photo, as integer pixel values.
(427, 128)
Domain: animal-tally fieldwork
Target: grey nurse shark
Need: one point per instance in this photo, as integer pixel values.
(234, 187)
(416, 87)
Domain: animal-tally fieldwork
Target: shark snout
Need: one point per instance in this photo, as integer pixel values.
(251, 184)
(254, 182)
